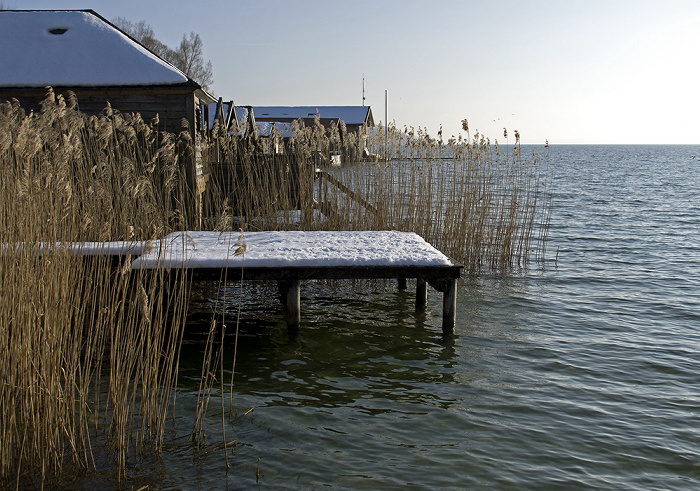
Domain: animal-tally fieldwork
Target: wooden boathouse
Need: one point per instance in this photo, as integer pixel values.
(86, 59)
(355, 118)
(81, 52)
(349, 123)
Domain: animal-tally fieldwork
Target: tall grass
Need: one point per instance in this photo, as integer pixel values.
(484, 204)
(89, 350)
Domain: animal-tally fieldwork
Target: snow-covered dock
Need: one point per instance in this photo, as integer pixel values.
(116, 250)
(290, 257)
(287, 257)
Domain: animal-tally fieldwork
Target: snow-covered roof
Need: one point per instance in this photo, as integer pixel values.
(283, 129)
(241, 113)
(348, 114)
(228, 111)
(225, 108)
(292, 248)
(75, 48)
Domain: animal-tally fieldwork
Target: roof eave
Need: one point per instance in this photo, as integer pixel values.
(204, 96)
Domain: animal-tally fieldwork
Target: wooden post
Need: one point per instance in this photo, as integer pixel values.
(188, 157)
(421, 293)
(293, 304)
(402, 283)
(282, 288)
(449, 307)
(386, 125)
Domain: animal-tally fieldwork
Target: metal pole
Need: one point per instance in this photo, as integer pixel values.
(363, 91)
(386, 123)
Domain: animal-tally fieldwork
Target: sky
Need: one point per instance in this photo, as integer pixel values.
(562, 71)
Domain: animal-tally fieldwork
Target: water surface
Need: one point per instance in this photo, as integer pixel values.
(580, 374)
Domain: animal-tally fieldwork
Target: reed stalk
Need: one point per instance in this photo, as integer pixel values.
(485, 205)
(89, 351)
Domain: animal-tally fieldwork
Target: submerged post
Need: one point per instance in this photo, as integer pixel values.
(421, 293)
(449, 307)
(293, 304)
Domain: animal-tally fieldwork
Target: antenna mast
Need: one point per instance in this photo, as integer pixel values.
(363, 91)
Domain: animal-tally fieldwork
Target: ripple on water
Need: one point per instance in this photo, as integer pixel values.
(581, 375)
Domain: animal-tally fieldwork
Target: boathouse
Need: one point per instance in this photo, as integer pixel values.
(351, 123)
(222, 113)
(356, 118)
(273, 124)
(80, 51)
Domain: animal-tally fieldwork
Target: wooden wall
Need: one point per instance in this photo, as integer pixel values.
(171, 105)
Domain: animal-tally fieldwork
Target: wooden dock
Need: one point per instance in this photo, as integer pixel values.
(289, 258)
(292, 257)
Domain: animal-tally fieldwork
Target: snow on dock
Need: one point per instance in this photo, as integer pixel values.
(194, 250)
(115, 248)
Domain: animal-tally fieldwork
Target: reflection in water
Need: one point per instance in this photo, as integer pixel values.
(367, 378)
(358, 339)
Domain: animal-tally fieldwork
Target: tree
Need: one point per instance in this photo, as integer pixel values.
(144, 34)
(188, 57)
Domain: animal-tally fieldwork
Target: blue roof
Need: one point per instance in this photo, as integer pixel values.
(348, 114)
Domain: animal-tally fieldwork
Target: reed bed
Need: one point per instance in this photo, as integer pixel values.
(486, 205)
(89, 350)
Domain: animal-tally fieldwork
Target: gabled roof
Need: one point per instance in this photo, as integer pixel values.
(76, 48)
(225, 111)
(348, 114)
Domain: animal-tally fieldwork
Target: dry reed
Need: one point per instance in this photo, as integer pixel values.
(485, 205)
(89, 352)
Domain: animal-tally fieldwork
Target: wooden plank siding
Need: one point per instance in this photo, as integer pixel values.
(171, 105)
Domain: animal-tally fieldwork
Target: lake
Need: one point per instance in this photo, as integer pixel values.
(580, 373)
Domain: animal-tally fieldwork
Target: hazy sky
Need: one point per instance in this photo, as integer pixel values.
(569, 71)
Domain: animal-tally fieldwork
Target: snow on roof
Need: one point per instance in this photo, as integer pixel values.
(228, 113)
(75, 48)
(292, 248)
(348, 114)
(283, 129)
(212, 112)
(241, 112)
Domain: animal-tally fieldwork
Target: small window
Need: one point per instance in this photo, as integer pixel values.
(57, 31)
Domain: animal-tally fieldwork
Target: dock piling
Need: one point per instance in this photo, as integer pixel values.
(293, 303)
(449, 306)
(421, 293)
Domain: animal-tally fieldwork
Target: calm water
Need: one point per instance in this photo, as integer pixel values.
(583, 374)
